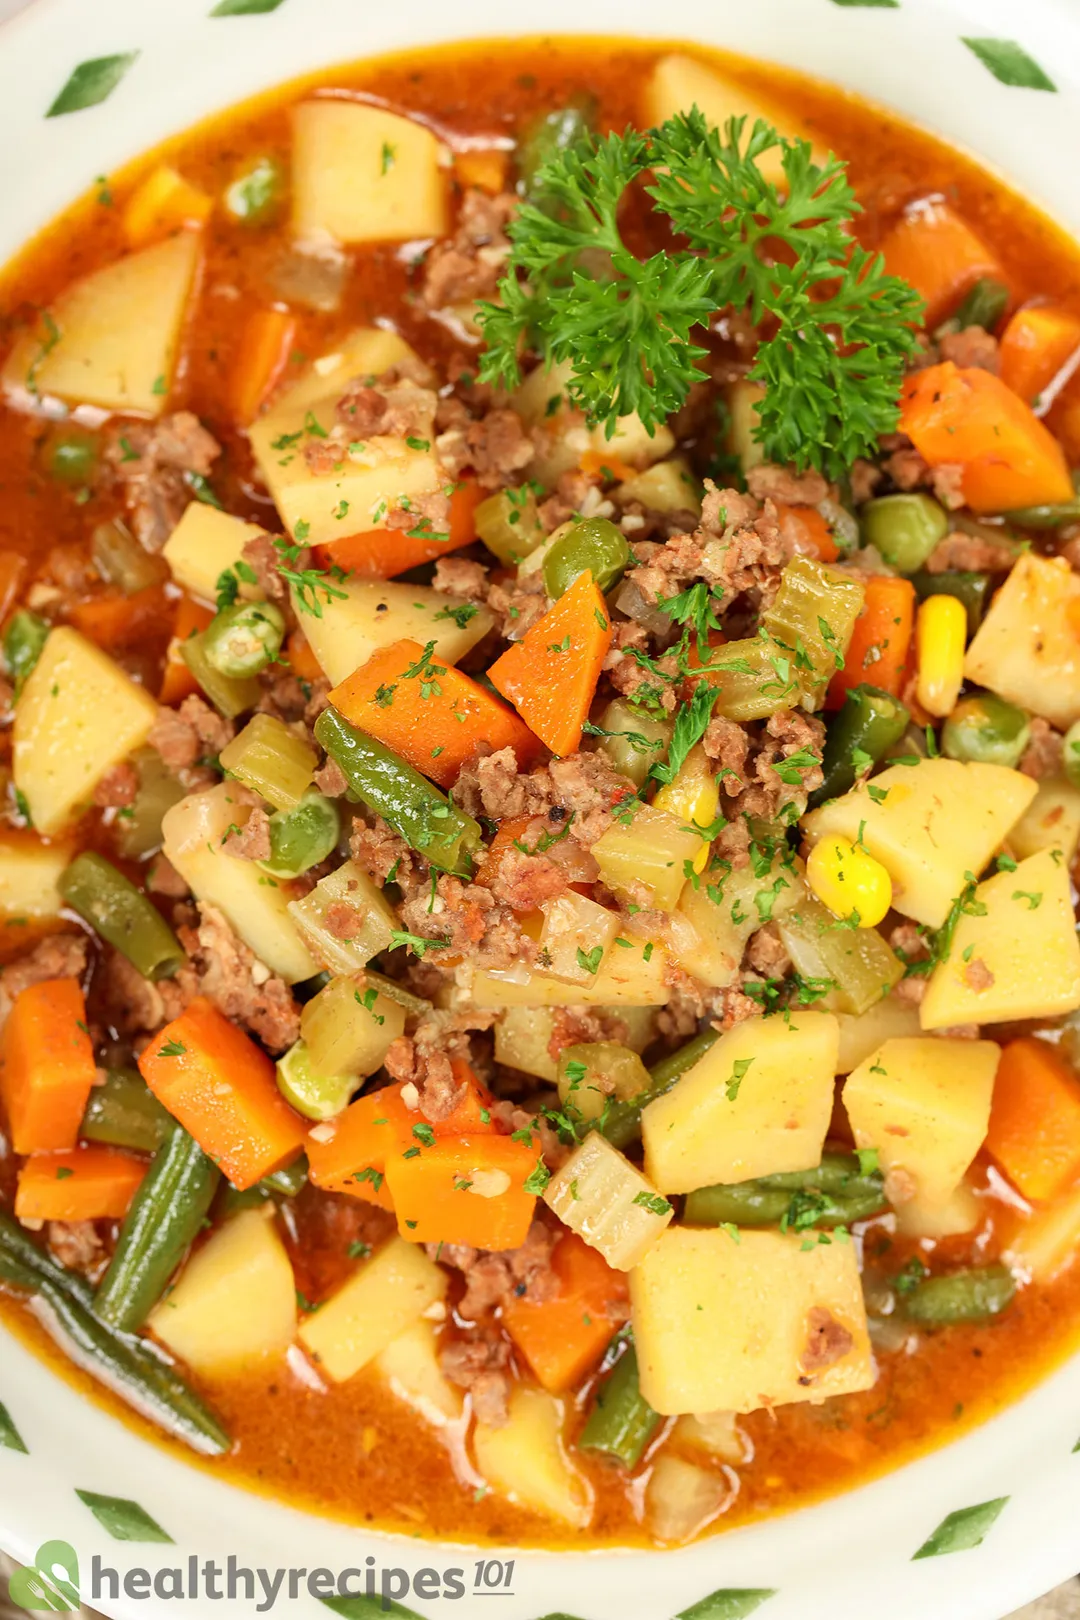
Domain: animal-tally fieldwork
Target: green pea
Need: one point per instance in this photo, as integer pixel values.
(594, 543)
(255, 197)
(69, 454)
(546, 138)
(1070, 754)
(985, 729)
(904, 528)
(243, 639)
(316, 1096)
(24, 639)
(984, 305)
(303, 837)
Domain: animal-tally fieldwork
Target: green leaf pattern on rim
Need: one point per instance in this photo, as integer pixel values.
(730, 1603)
(123, 1519)
(962, 1530)
(244, 8)
(883, 5)
(368, 1608)
(92, 82)
(1010, 63)
(10, 1437)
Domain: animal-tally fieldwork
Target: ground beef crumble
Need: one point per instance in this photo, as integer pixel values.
(153, 463)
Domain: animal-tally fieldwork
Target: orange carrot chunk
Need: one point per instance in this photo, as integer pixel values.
(348, 1154)
(383, 553)
(267, 341)
(931, 247)
(971, 419)
(550, 676)
(301, 660)
(114, 620)
(88, 1183)
(178, 682)
(563, 1338)
(804, 528)
(472, 1114)
(466, 1189)
(1034, 1130)
(48, 1066)
(878, 650)
(1039, 344)
(428, 712)
(221, 1087)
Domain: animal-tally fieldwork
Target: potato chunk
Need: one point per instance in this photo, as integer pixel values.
(928, 824)
(114, 335)
(1045, 1244)
(29, 877)
(759, 1102)
(1026, 649)
(628, 978)
(649, 854)
(525, 1461)
(679, 83)
(204, 543)
(375, 613)
(362, 174)
(1019, 958)
(384, 1296)
(924, 1104)
(1051, 821)
(732, 1326)
(78, 715)
(235, 1301)
(410, 1367)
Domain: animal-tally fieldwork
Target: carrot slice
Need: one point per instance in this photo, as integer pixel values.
(1034, 1130)
(163, 203)
(466, 1189)
(267, 341)
(550, 676)
(383, 553)
(563, 1338)
(932, 247)
(472, 1115)
(89, 1183)
(970, 418)
(178, 682)
(302, 661)
(429, 713)
(595, 464)
(12, 573)
(221, 1087)
(485, 169)
(804, 528)
(48, 1066)
(1037, 347)
(878, 649)
(348, 1154)
(113, 620)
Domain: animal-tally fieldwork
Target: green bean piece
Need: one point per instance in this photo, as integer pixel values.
(123, 562)
(549, 135)
(965, 1296)
(278, 1184)
(621, 1422)
(983, 305)
(425, 818)
(301, 838)
(987, 730)
(971, 589)
(312, 1094)
(1046, 517)
(904, 528)
(165, 1217)
(594, 544)
(242, 640)
(622, 1124)
(69, 454)
(24, 638)
(836, 1193)
(256, 196)
(1070, 754)
(290, 1181)
(124, 1113)
(137, 827)
(862, 733)
(127, 1365)
(230, 696)
(122, 915)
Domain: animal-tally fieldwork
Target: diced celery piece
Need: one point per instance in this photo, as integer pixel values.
(861, 966)
(812, 618)
(324, 913)
(347, 1028)
(269, 758)
(650, 854)
(509, 525)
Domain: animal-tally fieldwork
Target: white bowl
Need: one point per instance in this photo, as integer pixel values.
(850, 1557)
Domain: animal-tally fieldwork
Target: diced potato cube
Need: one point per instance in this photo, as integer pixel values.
(235, 1301)
(375, 613)
(370, 928)
(255, 904)
(962, 1212)
(718, 1433)
(563, 436)
(1051, 821)
(681, 1498)
(1046, 1243)
(634, 977)
(667, 486)
(863, 1033)
(1020, 958)
(647, 856)
(759, 1102)
(522, 1035)
(637, 742)
(410, 1366)
(602, 1197)
(924, 1104)
(385, 1295)
(203, 545)
(526, 1462)
(111, 339)
(367, 351)
(729, 1325)
(271, 759)
(743, 398)
(1026, 649)
(679, 83)
(928, 824)
(362, 174)
(29, 875)
(576, 937)
(347, 1029)
(78, 715)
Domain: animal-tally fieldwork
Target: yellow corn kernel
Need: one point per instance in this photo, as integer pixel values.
(694, 797)
(849, 881)
(163, 203)
(940, 639)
